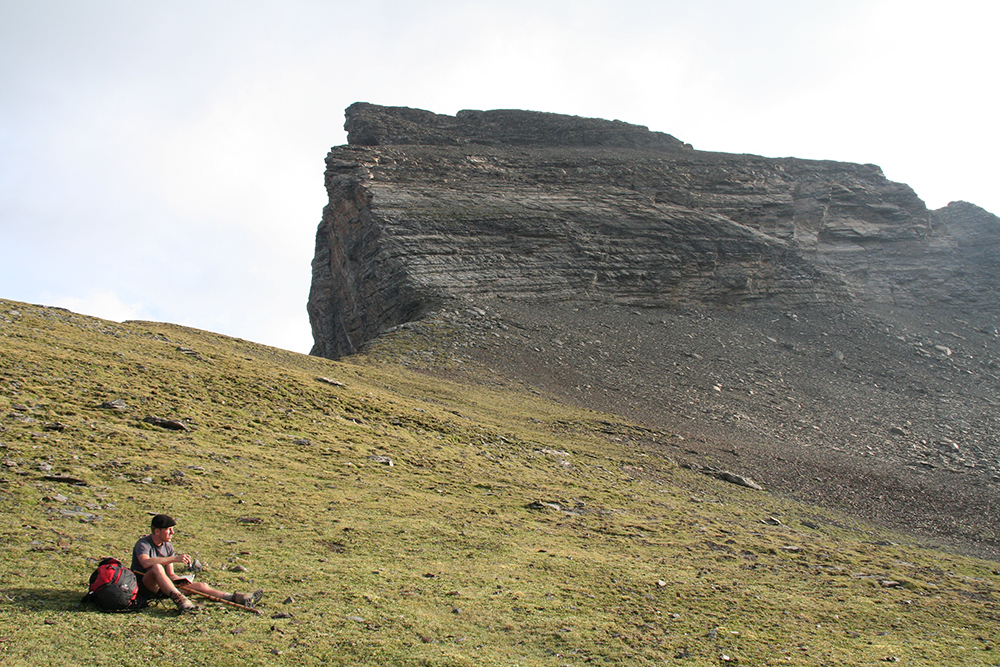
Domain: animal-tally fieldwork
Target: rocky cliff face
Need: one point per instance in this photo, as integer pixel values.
(425, 208)
(810, 323)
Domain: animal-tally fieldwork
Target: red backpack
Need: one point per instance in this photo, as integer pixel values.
(113, 587)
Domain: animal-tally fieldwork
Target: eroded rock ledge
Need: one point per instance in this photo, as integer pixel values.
(371, 125)
(426, 208)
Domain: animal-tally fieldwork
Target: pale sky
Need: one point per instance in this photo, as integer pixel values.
(164, 160)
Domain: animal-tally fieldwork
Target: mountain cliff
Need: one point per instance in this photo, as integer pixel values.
(809, 320)
(424, 208)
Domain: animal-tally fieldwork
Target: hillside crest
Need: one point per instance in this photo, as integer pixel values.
(811, 318)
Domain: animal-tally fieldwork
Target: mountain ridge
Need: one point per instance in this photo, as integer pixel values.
(840, 321)
(660, 224)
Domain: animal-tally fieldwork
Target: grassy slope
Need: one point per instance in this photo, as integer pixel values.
(437, 559)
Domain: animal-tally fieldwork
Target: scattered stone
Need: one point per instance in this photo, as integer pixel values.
(335, 383)
(356, 619)
(249, 520)
(385, 460)
(238, 568)
(896, 430)
(541, 505)
(283, 614)
(554, 452)
(739, 480)
(117, 404)
(288, 600)
(79, 513)
(772, 521)
(169, 424)
(54, 426)
(302, 442)
(65, 479)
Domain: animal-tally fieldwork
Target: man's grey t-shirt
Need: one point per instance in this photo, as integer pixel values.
(146, 546)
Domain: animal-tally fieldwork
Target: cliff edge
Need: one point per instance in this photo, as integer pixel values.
(425, 207)
(809, 322)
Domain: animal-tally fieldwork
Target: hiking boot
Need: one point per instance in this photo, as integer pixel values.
(248, 599)
(183, 604)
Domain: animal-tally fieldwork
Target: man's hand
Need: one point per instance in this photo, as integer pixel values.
(183, 558)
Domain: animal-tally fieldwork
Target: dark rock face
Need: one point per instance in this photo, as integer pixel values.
(425, 208)
(809, 324)
(371, 125)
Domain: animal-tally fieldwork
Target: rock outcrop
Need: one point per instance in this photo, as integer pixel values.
(425, 208)
(371, 125)
(808, 324)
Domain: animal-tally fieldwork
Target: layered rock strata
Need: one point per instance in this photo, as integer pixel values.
(425, 208)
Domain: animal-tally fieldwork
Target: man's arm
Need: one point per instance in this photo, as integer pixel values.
(169, 567)
(146, 561)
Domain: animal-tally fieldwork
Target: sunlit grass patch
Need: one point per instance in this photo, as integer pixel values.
(395, 518)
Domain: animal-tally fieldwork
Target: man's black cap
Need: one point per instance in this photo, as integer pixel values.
(163, 521)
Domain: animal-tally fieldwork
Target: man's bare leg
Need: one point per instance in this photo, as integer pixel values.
(205, 589)
(245, 599)
(156, 579)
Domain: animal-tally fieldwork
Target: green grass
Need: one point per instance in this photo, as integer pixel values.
(438, 559)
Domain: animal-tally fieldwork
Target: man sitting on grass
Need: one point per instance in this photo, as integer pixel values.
(153, 561)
